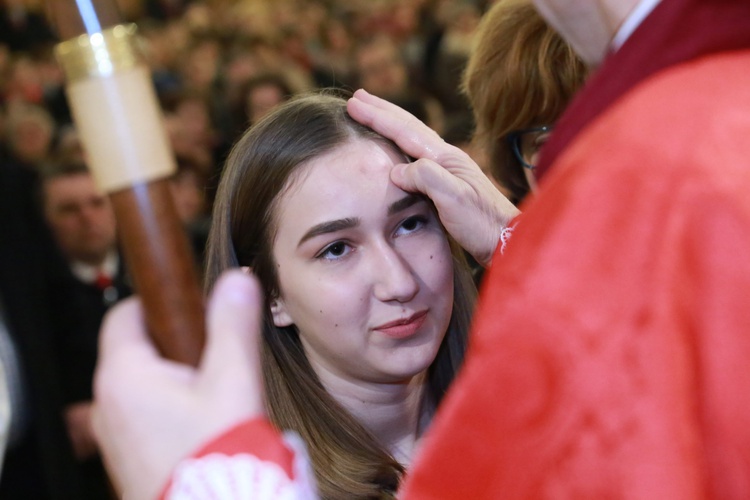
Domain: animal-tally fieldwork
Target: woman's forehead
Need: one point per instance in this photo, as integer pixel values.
(357, 158)
(352, 178)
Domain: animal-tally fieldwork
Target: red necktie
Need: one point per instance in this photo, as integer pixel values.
(102, 281)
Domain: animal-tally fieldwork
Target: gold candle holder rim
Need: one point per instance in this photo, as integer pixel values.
(99, 54)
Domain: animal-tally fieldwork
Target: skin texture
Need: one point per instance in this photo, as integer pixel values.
(80, 217)
(588, 25)
(470, 207)
(186, 406)
(388, 267)
(341, 286)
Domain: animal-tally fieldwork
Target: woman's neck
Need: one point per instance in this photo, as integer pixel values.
(394, 413)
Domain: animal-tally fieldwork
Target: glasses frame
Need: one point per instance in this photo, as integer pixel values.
(514, 141)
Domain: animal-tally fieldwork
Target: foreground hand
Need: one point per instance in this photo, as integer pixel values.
(150, 413)
(470, 207)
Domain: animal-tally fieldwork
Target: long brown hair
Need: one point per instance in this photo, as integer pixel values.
(348, 461)
(520, 74)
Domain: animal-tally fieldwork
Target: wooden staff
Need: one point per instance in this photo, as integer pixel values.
(114, 107)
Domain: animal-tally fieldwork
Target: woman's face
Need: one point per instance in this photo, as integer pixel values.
(365, 270)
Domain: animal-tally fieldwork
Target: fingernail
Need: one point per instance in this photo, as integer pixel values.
(238, 287)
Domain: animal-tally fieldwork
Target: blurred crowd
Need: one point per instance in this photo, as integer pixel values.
(219, 65)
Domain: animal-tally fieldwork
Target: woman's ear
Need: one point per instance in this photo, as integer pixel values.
(280, 317)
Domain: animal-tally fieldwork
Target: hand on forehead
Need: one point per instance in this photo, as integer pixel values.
(467, 202)
(411, 135)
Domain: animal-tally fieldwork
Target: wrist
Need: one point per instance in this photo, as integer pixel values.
(504, 235)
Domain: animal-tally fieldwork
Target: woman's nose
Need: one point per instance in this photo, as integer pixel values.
(394, 278)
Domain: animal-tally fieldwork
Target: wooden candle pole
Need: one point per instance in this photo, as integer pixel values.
(114, 107)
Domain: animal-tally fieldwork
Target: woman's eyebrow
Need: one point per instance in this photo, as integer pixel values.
(348, 223)
(404, 203)
(329, 227)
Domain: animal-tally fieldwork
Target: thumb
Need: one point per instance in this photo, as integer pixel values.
(231, 360)
(426, 177)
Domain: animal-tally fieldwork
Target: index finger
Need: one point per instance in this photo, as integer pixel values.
(411, 135)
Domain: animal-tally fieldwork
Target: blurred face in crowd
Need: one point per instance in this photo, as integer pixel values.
(80, 216)
(31, 139)
(381, 69)
(196, 119)
(263, 99)
(188, 195)
(201, 64)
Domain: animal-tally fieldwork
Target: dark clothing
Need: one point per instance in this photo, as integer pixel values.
(78, 361)
(81, 346)
(39, 314)
(30, 31)
(164, 10)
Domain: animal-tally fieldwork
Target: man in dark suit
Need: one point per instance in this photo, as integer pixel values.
(83, 224)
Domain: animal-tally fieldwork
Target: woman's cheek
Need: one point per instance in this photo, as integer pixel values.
(439, 268)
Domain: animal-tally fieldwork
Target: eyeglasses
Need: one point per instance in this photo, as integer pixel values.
(526, 144)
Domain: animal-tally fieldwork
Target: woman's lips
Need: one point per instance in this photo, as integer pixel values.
(403, 328)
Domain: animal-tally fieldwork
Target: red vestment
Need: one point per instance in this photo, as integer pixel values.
(610, 344)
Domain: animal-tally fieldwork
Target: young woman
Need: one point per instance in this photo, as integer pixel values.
(368, 300)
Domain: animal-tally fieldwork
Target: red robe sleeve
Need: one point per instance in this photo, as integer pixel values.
(610, 345)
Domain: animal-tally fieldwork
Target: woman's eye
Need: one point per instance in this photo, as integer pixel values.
(411, 224)
(334, 251)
